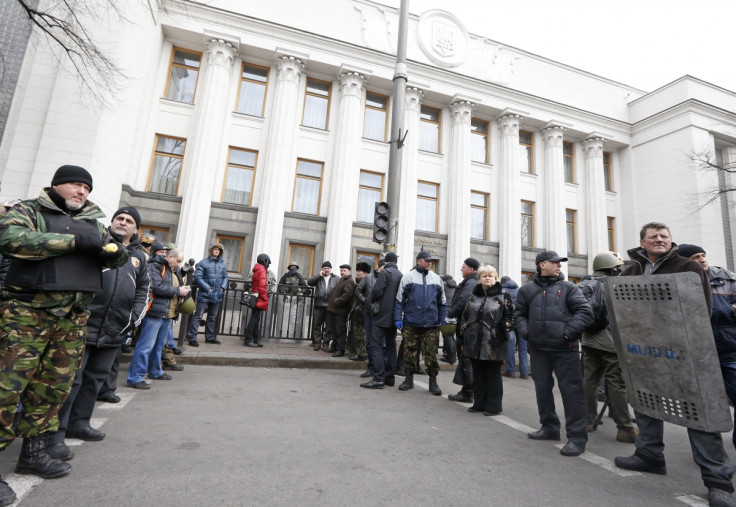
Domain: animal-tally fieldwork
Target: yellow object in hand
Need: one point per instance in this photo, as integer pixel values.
(111, 248)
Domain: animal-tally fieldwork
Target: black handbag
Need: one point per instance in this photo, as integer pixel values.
(249, 299)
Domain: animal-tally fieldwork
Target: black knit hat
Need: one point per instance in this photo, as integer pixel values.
(327, 264)
(688, 251)
(129, 210)
(391, 257)
(72, 174)
(472, 263)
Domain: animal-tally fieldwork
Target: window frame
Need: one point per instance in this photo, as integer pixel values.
(439, 127)
(227, 170)
(385, 111)
(532, 169)
(172, 64)
(311, 248)
(571, 157)
(143, 228)
(308, 93)
(297, 176)
(240, 239)
(374, 255)
(171, 155)
(574, 225)
(436, 201)
(608, 171)
(265, 87)
(611, 229)
(486, 213)
(527, 276)
(380, 191)
(485, 135)
(533, 224)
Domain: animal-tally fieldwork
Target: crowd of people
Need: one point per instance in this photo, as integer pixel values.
(74, 291)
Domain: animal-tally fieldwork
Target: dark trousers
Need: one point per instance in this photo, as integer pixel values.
(729, 379)
(338, 327)
(566, 367)
(487, 386)
(209, 326)
(110, 384)
(368, 322)
(77, 410)
(320, 330)
(253, 329)
(383, 370)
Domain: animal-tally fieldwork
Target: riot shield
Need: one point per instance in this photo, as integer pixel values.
(663, 336)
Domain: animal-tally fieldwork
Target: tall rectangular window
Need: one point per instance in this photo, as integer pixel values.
(183, 72)
(571, 224)
(241, 169)
(527, 276)
(478, 215)
(429, 129)
(479, 141)
(302, 256)
(526, 152)
(233, 255)
(168, 155)
(376, 116)
(369, 193)
(370, 257)
(527, 223)
(308, 187)
(160, 233)
(427, 195)
(611, 224)
(252, 93)
(569, 159)
(316, 104)
(607, 172)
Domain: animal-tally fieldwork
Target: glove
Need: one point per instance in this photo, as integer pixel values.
(399, 324)
(85, 242)
(111, 257)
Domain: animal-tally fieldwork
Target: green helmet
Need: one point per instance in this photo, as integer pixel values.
(606, 260)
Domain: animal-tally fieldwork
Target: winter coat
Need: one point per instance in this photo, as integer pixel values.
(363, 291)
(161, 287)
(211, 277)
(723, 320)
(323, 290)
(121, 304)
(384, 292)
(551, 314)
(450, 286)
(420, 301)
(260, 285)
(341, 298)
(488, 316)
(512, 288)
(603, 339)
(290, 283)
(462, 293)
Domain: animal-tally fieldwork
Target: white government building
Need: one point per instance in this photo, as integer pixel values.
(264, 126)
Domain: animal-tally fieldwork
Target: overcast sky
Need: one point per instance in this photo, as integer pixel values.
(641, 43)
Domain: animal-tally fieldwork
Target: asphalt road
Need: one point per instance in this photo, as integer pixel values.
(258, 436)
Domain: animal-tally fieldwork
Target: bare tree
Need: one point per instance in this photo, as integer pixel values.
(710, 160)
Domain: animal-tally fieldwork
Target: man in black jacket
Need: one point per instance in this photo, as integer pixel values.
(551, 313)
(324, 282)
(459, 299)
(118, 308)
(384, 293)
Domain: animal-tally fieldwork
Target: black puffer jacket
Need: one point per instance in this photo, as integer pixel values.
(120, 305)
(385, 289)
(551, 314)
(488, 316)
(161, 287)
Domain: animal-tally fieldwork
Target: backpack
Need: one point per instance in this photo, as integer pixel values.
(592, 289)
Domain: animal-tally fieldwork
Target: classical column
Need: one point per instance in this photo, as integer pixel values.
(509, 216)
(203, 149)
(279, 164)
(458, 227)
(554, 185)
(595, 184)
(345, 174)
(407, 211)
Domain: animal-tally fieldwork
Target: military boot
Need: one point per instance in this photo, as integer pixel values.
(408, 382)
(34, 459)
(7, 495)
(433, 387)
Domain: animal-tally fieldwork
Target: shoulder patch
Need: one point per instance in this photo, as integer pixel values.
(136, 261)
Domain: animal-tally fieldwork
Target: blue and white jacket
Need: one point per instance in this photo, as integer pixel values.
(420, 300)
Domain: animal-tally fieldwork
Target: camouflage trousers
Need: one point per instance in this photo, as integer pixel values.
(356, 338)
(39, 355)
(413, 338)
(167, 356)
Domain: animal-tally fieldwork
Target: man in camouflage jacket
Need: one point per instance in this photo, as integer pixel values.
(56, 246)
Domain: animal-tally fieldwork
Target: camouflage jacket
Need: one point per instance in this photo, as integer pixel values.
(23, 235)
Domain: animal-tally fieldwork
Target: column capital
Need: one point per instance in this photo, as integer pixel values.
(413, 98)
(221, 53)
(352, 84)
(289, 69)
(509, 124)
(593, 147)
(553, 136)
(461, 112)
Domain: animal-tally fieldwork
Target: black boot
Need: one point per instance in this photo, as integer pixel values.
(34, 459)
(433, 387)
(408, 382)
(56, 447)
(7, 495)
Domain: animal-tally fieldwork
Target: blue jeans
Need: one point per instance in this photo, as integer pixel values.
(147, 353)
(729, 379)
(523, 355)
(209, 326)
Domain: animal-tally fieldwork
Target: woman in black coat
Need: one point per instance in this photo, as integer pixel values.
(486, 320)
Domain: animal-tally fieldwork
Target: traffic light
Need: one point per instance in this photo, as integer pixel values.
(380, 222)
